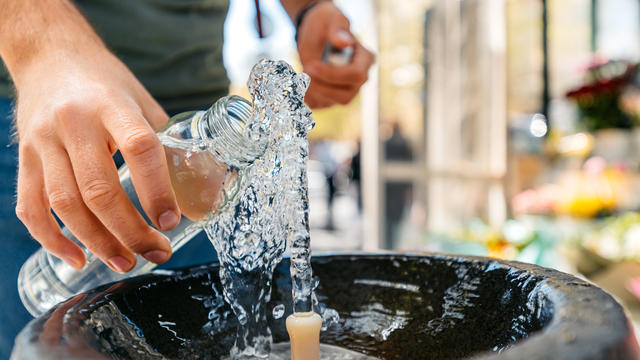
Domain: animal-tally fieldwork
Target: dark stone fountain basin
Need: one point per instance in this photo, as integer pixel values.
(390, 306)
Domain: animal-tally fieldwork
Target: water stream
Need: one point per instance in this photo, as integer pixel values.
(271, 212)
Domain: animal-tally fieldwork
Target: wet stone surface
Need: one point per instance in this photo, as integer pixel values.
(389, 306)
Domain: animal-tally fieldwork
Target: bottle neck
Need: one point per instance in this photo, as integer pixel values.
(225, 123)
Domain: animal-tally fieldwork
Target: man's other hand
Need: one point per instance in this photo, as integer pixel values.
(323, 25)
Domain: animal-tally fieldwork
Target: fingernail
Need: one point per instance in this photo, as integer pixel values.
(120, 264)
(156, 256)
(344, 36)
(168, 220)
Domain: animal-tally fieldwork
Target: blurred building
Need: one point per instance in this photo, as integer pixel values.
(455, 118)
(507, 128)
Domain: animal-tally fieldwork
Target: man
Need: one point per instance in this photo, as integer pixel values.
(88, 87)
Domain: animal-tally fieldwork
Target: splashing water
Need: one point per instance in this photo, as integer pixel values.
(278, 311)
(251, 236)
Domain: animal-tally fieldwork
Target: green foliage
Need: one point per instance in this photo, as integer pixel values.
(599, 99)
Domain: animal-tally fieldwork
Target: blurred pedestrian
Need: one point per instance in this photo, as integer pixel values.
(323, 153)
(354, 165)
(398, 194)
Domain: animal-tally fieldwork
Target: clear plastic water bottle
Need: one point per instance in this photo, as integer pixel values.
(206, 153)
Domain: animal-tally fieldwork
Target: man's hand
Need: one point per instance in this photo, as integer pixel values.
(78, 104)
(330, 84)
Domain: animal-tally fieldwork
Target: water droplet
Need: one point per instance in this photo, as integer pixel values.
(278, 311)
(329, 317)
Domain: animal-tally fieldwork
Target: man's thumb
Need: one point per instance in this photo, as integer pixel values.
(341, 38)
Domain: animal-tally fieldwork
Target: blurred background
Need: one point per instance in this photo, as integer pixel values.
(505, 128)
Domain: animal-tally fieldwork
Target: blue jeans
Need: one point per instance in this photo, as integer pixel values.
(16, 244)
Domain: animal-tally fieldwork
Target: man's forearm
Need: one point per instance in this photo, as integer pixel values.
(293, 7)
(30, 29)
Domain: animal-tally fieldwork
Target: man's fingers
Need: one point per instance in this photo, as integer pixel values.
(100, 188)
(333, 94)
(354, 74)
(67, 202)
(144, 154)
(341, 38)
(32, 209)
(318, 101)
(335, 75)
(362, 58)
(152, 111)
(339, 34)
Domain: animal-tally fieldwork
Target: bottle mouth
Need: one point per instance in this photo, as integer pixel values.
(230, 119)
(239, 111)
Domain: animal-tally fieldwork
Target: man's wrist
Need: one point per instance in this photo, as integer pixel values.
(53, 57)
(301, 15)
(25, 38)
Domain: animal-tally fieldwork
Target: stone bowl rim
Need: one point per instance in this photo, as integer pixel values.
(588, 331)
